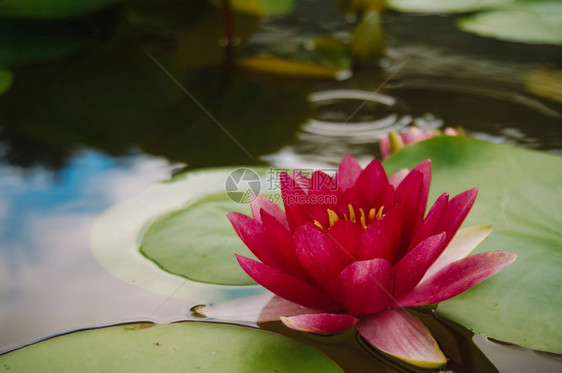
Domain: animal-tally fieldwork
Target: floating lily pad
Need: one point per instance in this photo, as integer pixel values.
(51, 9)
(181, 347)
(533, 22)
(199, 243)
(519, 194)
(443, 6)
(191, 208)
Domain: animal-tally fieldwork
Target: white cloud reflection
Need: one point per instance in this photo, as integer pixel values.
(50, 281)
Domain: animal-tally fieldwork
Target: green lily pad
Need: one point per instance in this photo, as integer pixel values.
(199, 243)
(443, 6)
(187, 214)
(181, 347)
(51, 9)
(533, 22)
(6, 79)
(519, 194)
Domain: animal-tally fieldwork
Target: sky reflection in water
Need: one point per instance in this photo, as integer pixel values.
(50, 281)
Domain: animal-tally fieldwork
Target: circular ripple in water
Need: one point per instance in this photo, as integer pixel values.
(358, 116)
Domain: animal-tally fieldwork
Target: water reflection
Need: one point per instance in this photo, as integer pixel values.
(50, 281)
(112, 98)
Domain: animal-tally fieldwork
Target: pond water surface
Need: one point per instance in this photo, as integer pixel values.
(81, 133)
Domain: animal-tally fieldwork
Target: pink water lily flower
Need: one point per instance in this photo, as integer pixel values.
(394, 141)
(357, 248)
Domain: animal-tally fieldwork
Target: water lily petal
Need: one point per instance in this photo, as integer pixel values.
(287, 286)
(403, 336)
(412, 267)
(295, 201)
(408, 194)
(320, 256)
(414, 134)
(261, 202)
(371, 182)
(384, 146)
(284, 247)
(364, 287)
(278, 307)
(456, 212)
(348, 172)
(398, 176)
(254, 235)
(303, 181)
(464, 243)
(457, 277)
(321, 323)
(381, 237)
(346, 234)
(425, 169)
(322, 183)
(241, 309)
(414, 192)
(431, 222)
(322, 195)
(256, 308)
(299, 208)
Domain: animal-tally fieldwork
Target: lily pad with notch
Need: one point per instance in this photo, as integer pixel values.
(519, 194)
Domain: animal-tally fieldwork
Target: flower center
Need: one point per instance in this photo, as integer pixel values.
(358, 217)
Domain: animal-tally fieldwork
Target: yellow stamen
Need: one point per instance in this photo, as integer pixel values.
(372, 215)
(317, 223)
(334, 218)
(379, 214)
(363, 218)
(351, 213)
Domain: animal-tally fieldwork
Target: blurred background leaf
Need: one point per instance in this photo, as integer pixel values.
(26, 42)
(52, 9)
(6, 79)
(538, 22)
(259, 8)
(444, 6)
(367, 43)
(545, 83)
